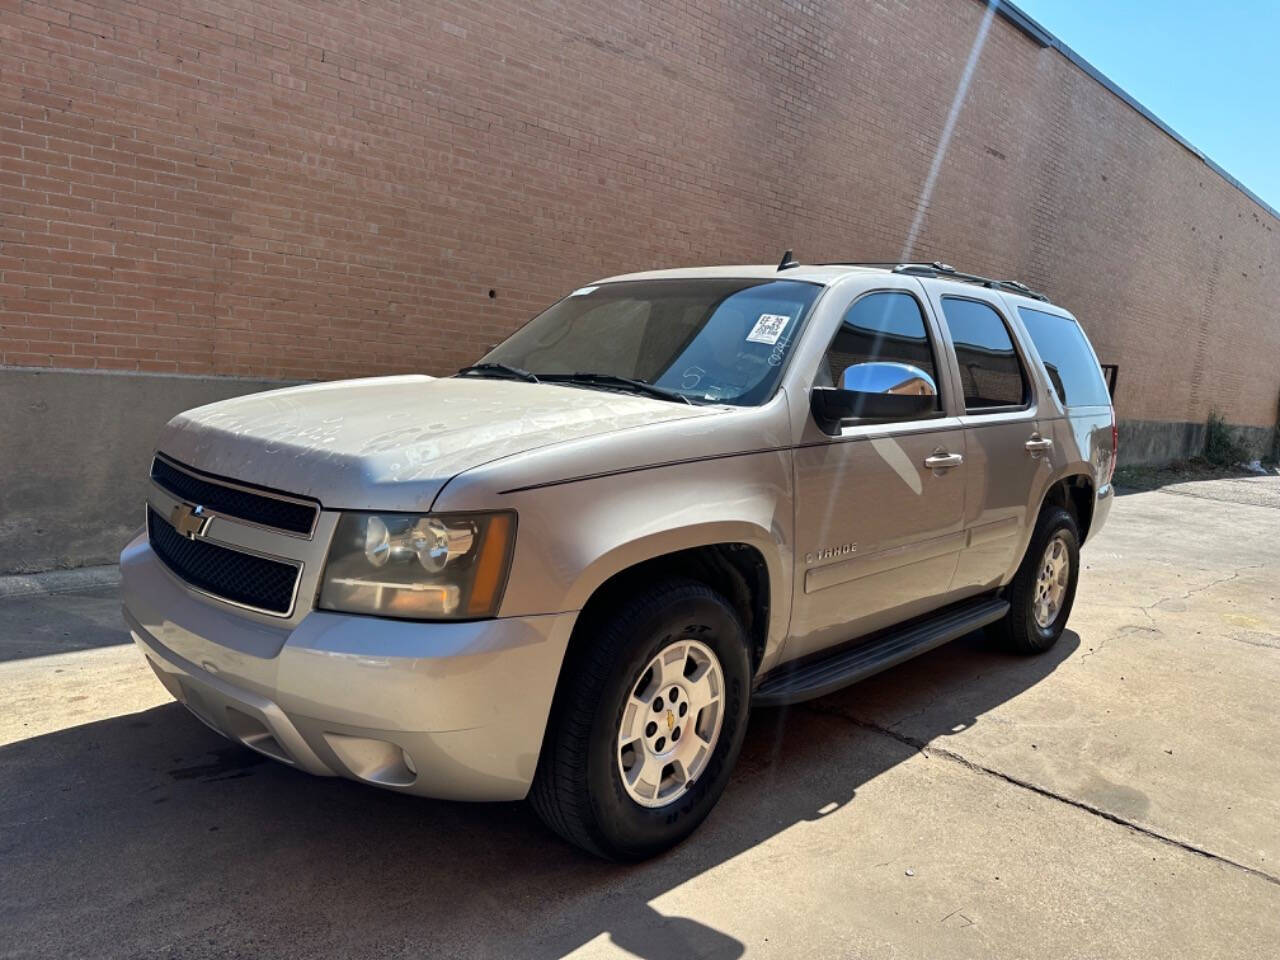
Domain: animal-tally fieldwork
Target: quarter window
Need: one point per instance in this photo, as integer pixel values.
(883, 327)
(990, 371)
(1072, 369)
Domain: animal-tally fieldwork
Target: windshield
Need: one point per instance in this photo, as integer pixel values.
(706, 339)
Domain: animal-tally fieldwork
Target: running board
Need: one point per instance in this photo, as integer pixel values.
(817, 678)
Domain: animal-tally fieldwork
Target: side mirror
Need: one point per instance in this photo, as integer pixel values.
(874, 391)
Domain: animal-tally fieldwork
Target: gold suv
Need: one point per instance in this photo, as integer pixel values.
(569, 571)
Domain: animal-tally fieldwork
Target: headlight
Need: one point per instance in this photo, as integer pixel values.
(446, 567)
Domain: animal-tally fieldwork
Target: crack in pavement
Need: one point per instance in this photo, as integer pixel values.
(1269, 641)
(1117, 634)
(1213, 583)
(933, 750)
(1195, 590)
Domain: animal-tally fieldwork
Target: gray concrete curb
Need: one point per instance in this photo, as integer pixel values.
(58, 581)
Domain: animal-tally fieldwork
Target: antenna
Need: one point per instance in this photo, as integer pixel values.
(787, 262)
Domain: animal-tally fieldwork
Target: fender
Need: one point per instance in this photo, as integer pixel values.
(572, 537)
(1078, 468)
(627, 555)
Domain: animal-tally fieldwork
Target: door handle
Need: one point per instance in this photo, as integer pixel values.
(943, 461)
(1038, 444)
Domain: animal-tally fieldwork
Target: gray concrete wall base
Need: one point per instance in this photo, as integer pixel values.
(1155, 442)
(74, 454)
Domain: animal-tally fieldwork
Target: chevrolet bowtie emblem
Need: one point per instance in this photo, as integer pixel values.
(188, 520)
(671, 721)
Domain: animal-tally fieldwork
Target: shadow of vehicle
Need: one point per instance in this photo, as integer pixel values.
(43, 624)
(1144, 479)
(147, 833)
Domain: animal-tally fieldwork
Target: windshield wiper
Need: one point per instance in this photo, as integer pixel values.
(621, 383)
(586, 379)
(502, 368)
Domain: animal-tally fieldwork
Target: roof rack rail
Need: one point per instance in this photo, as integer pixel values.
(938, 269)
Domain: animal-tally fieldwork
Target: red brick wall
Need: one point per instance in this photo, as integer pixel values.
(286, 189)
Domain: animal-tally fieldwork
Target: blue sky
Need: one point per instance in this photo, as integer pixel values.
(1211, 71)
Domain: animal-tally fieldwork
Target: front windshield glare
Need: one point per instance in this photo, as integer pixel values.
(711, 340)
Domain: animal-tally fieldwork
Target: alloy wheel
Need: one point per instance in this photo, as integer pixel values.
(670, 723)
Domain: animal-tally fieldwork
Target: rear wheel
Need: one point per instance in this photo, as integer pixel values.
(1044, 588)
(647, 724)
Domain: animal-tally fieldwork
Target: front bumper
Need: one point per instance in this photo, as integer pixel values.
(448, 710)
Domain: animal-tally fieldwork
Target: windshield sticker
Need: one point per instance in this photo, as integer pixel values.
(768, 328)
(582, 291)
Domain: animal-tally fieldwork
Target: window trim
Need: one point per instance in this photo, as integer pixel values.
(933, 343)
(1028, 389)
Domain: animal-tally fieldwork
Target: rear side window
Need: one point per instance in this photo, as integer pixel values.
(1072, 369)
(990, 370)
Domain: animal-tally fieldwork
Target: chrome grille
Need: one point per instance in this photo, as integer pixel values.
(264, 508)
(251, 581)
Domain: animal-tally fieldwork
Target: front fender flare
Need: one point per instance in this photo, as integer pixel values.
(626, 555)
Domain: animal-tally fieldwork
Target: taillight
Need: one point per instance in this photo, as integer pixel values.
(1115, 445)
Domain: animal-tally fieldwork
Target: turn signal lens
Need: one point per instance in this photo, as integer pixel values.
(491, 566)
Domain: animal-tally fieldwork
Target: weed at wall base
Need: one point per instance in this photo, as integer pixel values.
(1220, 447)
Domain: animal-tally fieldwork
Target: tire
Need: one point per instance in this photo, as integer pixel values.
(579, 789)
(1020, 630)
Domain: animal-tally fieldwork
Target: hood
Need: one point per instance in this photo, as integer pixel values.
(392, 443)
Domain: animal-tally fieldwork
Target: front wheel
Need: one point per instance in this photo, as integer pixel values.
(647, 724)
(1044, 588)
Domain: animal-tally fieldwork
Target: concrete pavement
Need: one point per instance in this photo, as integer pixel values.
(1118, 797)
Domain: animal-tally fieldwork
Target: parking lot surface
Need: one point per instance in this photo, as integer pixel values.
(1117, 797)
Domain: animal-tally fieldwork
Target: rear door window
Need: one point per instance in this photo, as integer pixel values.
(990, 370)
(1070, 363)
